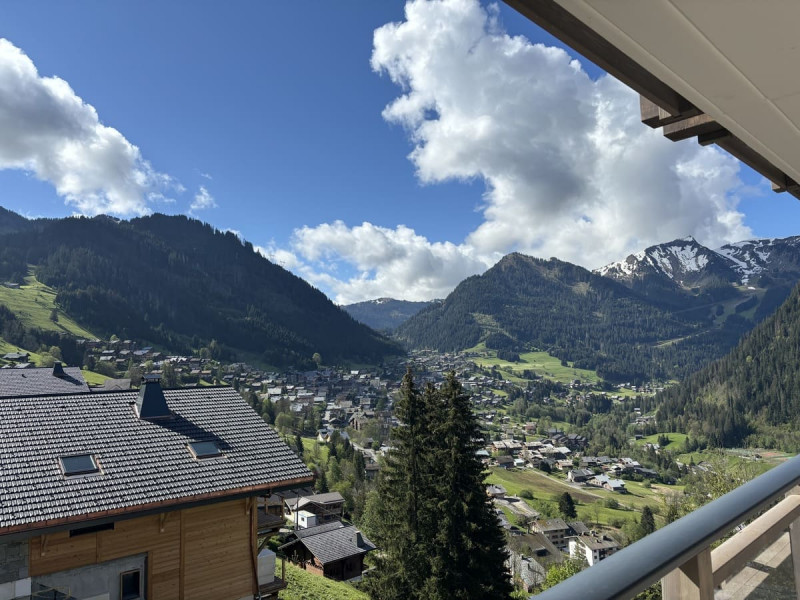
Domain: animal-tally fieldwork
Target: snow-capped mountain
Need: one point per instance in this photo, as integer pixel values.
(772, 257)
(684, 261)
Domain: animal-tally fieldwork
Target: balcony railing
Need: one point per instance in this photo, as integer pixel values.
(680, 554)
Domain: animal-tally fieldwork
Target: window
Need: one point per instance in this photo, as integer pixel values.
(204, 449)
(130, 585)
(91, 529)
(79, 464)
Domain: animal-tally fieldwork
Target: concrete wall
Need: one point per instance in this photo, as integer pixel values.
(100, 581)
(14, 579)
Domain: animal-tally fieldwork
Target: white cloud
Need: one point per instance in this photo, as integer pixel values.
(570, 170)
(202, 200)
(50, 131)
(388, 262)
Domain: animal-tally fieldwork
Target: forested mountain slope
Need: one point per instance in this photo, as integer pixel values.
(573, 314)
(753, 391)
(178, 283)
(384, 314)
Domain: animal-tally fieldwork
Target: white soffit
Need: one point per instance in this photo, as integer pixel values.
(736, 60)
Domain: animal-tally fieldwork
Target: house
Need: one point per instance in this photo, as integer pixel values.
(333, 550)
(594, 546)
(555, 530)
(579, 475)
(496, 491)
(505, 462)
(42, 381)
(327, 507)
(153, 493)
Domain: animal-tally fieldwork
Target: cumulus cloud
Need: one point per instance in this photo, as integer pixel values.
(202, 200)
(570, 171)
(389, 262)
(51, 132)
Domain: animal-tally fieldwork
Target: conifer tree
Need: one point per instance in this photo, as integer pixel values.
(647, 522)
(468, 554)
(400, 527)
(567, 506)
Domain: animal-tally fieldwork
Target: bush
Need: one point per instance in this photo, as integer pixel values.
(526, 493)
(611, 503)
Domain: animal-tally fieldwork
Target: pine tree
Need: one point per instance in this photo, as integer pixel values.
(468, 553)
(647, 522)
(398, 521)
(567, 506)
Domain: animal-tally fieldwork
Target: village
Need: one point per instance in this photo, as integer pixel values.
(354, 406)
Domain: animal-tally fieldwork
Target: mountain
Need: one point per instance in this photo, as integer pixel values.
(575, 315)
(678, 273)
(658, 314)
(384, 314)
(178, 283)
(749, 397)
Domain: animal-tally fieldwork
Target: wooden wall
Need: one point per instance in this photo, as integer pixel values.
(201, 553)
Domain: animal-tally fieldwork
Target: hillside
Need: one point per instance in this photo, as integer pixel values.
(384, 314)
(753, 391)
(177, 283)
(578, 316)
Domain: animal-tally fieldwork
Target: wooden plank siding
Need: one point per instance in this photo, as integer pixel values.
(202, 553)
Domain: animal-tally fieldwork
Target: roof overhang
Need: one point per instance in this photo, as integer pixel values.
(144, 510)
(720, 70)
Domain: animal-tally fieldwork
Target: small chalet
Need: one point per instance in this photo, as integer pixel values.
(327, 507)
(333, 550)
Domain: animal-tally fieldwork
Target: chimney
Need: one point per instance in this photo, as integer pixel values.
(58, 369)
(151, 402)
(358, 539)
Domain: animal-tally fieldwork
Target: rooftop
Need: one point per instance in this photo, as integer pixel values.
(142, 464)
(38, 381)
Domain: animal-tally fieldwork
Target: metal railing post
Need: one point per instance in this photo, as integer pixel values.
(693, 580)
(794, 544)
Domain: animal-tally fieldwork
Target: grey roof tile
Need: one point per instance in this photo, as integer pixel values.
(141, 461)
(34, 382)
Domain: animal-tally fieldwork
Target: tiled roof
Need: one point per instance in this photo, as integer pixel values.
(333, 541)
(141, 462)
(34, 382)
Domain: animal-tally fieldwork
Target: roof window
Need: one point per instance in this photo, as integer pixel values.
(204, 449)
(79, 464)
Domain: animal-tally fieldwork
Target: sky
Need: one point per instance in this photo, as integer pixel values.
(376, 149)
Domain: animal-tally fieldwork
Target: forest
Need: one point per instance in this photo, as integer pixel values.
(178, 283)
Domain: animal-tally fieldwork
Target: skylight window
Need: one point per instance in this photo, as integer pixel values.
(204, 449)
(79, 464)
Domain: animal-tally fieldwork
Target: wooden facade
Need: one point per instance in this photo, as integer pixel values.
(202, 553)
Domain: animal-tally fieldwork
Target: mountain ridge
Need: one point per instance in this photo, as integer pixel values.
(179, 283)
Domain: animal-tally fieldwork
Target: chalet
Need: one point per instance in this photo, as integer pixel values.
(333, 550)
(555, 530)
(593, 546)
(41, 381)
(16, 356)
(149, 494)
(579, 475)
(496, 491)
(505, 462)
(327, 507)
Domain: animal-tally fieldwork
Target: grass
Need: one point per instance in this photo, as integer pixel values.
(33, 304)
(590, 502)
(540, 363)
(308, 586)
(93, 378)
(675, 439)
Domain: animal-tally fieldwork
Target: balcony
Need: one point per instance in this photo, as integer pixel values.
(681, 554)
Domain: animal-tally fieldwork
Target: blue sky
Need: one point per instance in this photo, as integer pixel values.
(271, 120)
